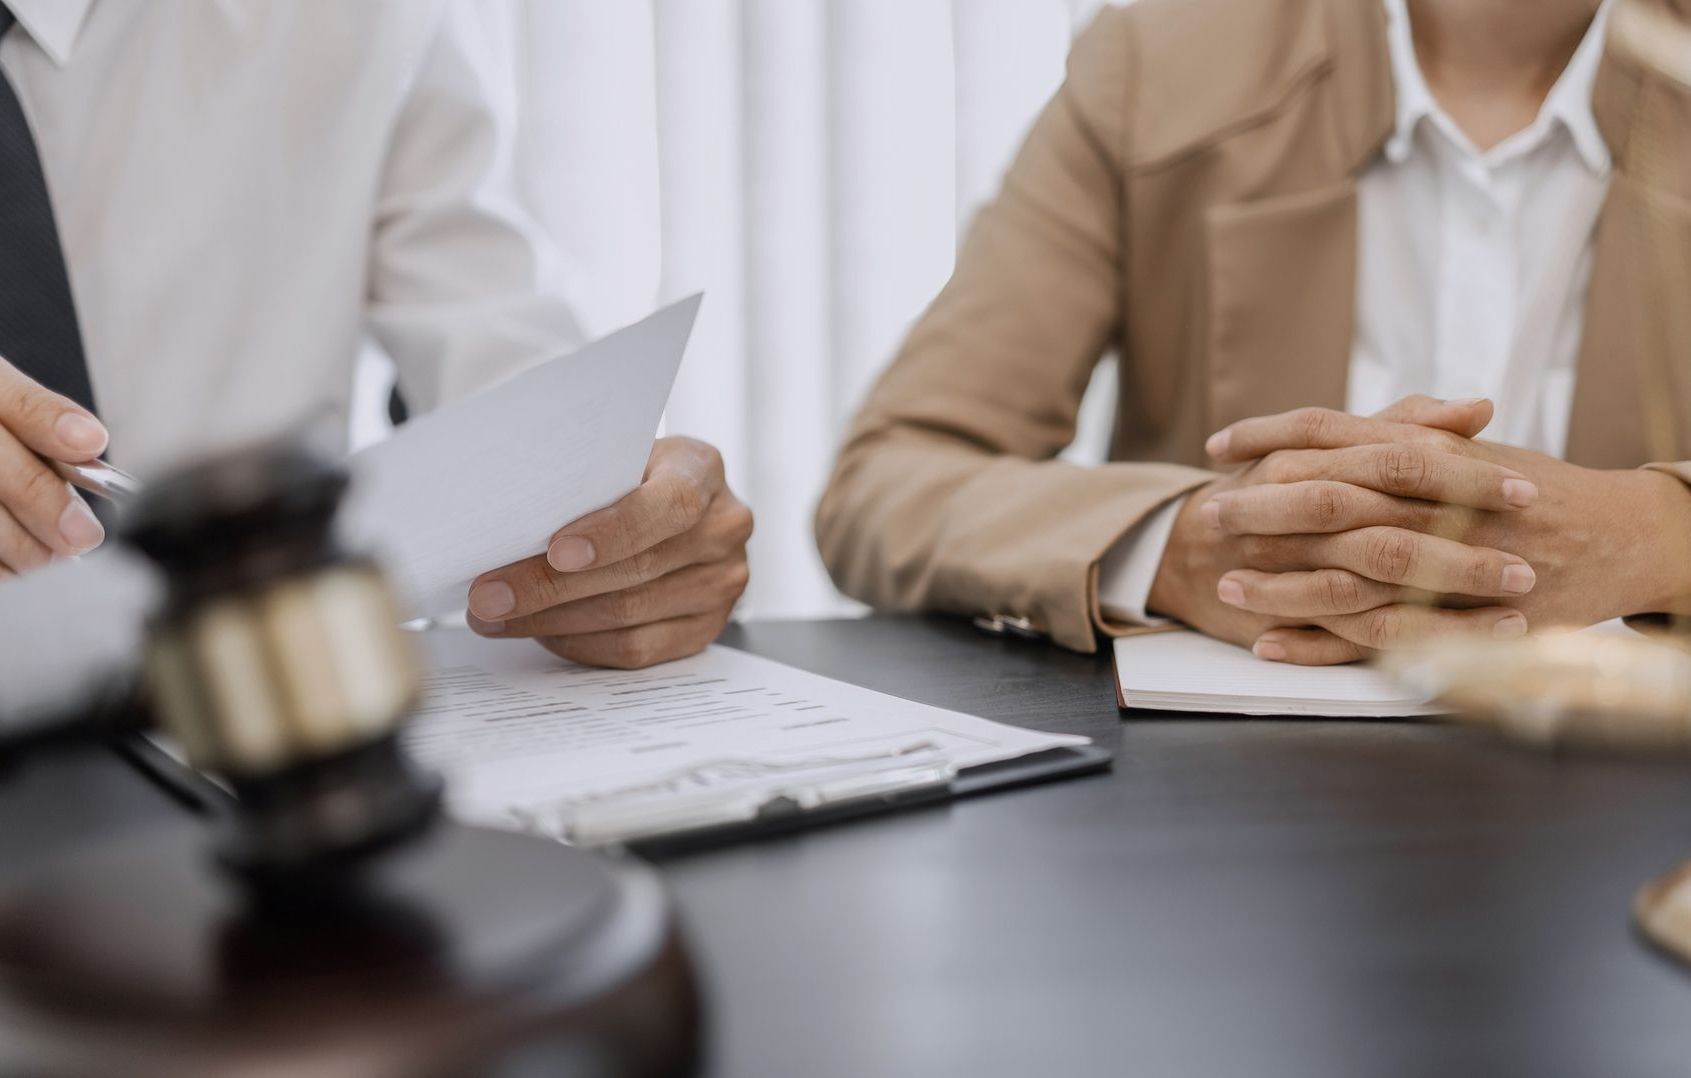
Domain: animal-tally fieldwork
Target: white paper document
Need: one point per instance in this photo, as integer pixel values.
(531, 743)
(1187, 671)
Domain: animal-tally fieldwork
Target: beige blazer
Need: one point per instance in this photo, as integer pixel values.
(1188, 200)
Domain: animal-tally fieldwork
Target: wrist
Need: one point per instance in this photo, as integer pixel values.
(1663, 503)
(1173, 589)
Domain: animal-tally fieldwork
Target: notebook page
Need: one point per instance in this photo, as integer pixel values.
(1190, 671)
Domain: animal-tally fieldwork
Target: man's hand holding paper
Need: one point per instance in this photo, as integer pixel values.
(652, 578)
(607, 549)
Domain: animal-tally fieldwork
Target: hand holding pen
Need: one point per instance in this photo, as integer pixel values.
(41, 517)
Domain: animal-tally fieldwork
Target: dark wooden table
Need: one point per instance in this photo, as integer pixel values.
(1237, 898)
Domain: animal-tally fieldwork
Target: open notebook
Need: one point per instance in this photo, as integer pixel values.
(1187, 671)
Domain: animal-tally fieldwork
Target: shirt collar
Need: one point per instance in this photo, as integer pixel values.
(54, 24)
(1567, 104)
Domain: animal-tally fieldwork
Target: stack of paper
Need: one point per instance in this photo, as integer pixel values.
(592, 756)
(1187, 671)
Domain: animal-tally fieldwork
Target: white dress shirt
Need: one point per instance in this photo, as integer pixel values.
(1471, 278)
(246, 189)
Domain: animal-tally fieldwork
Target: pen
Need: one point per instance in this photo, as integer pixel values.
(98, 477)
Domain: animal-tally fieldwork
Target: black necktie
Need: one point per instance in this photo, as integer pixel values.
(38, 330)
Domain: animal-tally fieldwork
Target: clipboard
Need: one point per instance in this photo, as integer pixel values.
(778, 816)
(900, 785)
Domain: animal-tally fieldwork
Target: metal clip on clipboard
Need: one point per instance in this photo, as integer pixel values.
(715, 797)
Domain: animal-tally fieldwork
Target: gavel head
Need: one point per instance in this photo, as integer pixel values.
(278, 666)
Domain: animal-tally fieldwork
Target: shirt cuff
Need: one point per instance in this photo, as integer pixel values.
(1127, 571)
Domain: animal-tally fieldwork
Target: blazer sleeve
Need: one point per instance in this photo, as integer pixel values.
(1680, 470)
(948, 494)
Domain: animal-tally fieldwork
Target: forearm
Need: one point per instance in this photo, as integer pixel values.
(914, 521)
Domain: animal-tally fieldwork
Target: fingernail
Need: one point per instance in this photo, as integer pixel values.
(1217, 445)
(1510, 627)
(492, 600)
(80, 433)
(1231, 592)
(1210, 513)
(77, 525)
(569, 553)
(1518, 579)
(1271, 650)
(1469, 402)
(1519, 493)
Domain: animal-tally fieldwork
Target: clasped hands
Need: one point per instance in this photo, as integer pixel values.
(1343, 535)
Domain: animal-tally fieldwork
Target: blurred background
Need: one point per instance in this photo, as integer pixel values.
(811, 165)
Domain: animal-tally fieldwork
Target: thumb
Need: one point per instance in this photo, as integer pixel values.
(1463, 417)
(53, 426)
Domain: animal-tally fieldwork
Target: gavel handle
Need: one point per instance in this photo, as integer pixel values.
(187, 787)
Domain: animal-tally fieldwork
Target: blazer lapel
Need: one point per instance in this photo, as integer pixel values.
(1633, 390)
(1633, 377)
(1282, 295)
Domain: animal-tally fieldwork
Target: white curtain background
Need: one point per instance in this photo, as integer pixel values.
(811, 166)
